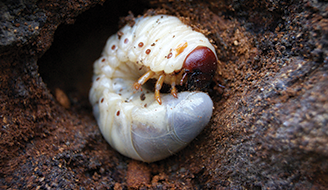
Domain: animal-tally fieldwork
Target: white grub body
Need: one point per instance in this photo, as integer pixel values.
(132, 121)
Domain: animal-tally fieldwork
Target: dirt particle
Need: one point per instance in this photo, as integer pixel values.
(138, 174)
(62, 98)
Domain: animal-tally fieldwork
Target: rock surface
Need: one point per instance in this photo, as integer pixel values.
(270, 124)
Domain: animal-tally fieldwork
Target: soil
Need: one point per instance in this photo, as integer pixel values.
(269, 129)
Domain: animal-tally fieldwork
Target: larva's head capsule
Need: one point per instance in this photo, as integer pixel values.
(200, 66)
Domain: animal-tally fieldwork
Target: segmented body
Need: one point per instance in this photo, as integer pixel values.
(133, 122)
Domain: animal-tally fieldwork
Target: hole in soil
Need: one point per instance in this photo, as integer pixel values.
(68, 64)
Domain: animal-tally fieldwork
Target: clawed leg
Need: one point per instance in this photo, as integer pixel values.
(183, 78)
(143, 79)
(173, 89)
(158, 87)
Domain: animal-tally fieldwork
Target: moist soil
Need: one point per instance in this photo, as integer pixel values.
(269, 128)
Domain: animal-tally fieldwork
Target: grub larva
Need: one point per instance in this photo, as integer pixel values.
(140, 123)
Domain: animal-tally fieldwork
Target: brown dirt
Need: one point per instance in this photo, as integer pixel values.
(270, 124)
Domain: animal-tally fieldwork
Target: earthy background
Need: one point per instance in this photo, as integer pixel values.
(270, 124)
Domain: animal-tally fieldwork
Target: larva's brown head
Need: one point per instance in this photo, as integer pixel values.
(200, 66)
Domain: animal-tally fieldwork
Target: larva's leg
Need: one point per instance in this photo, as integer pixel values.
(158, 87)
(183, 78)
(173, 89)
(143, 79)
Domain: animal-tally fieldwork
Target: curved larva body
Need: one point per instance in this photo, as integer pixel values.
(133, 122)
(161, 35)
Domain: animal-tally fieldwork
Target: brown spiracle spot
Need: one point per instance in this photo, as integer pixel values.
(169, 55)
(140, 44)
(148, 51)
(118, 113)
(102, 100)
(103, 60)
(126, 40)
(97, 78)
(153, 44)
